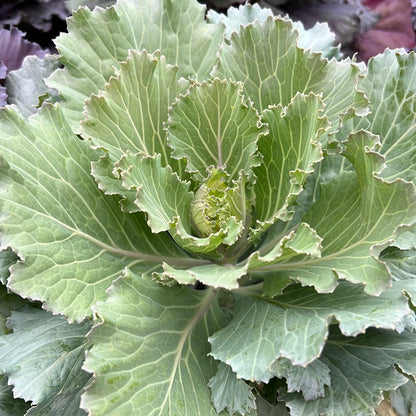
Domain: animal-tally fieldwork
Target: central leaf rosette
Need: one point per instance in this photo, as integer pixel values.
(214, 203)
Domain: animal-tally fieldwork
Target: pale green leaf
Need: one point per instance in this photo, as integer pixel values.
(8, 302)
(212, 125)
(353, 233)
(310, 380)
(109, 181)
(150, 352)
(26, 86)
(66, 402)
(289, 151)
(167, 202)
(74, 4)
(390, 85)
(159, 191)
(301, 240)
(294, 325)
(7, 258)
(73, 240)
(401, 263)
(266, 58)
(9, 406)
(130, 113)
(403, 399)
(231, 393)
(244, 15)
(361, 368)
(214, 275)
(97, 41)
(267, 409)
(319, 38)
(43, 354)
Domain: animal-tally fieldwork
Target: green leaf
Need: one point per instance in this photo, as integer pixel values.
(43, 355)
(110, 183)
(213, 126)
(239, 17)
(129, 114)
(266, 58)
(231, 393)
(7, 258)
(310, 380)
(97, 41)
(390, 87)
(294, 325)
(66, 402)
(401, 263)
(214, 275)
(290, 151)
(9, 406)
(72, 239)
(167, 202)
(280, 248)
(403, 399)
(150, 351)
(8, 302)
(26, 86)
(361, 368)
(354, 235)
(319, 38)
(159, 191)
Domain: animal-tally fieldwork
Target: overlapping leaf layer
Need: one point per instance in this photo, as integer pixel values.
(215, 217)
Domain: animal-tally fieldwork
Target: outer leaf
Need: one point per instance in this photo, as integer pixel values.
(66, 402)
(310, 380)
(353, 235)
(130, 113)
(90, 59)
(213, 126)
(318, 39)
(401, 263)
(403, 399)
(42, 354)
(73, 239)
(150, 352)
(9, 406)
(7, 258)
(239, 17)
(26, 85)
(228, 392)
(361, 368)
(273, 75)
(295, 326)
(390, 86)
(289, 151)
(8, 302)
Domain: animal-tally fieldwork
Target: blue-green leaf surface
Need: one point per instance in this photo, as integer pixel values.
(361, 368)
(212, 126)
(72, 239)
(43, 356)
(354, 234)
(150, 351)
(97, 41)
(295, 324)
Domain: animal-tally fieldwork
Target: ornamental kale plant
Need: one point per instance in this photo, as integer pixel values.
(216, 217)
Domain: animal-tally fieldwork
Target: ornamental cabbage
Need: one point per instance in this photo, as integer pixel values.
(217, 216)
